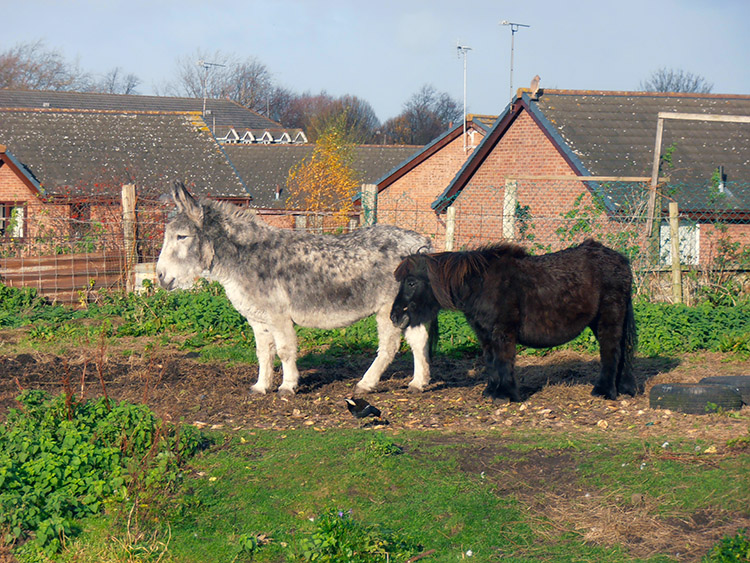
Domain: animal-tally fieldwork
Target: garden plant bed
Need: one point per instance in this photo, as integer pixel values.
(180, 386)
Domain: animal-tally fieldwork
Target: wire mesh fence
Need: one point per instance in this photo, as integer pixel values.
(70, 248)
(708, 226)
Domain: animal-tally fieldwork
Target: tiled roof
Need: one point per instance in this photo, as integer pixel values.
(219, 113)
(613, 133)
(95, 152)
(265, 168)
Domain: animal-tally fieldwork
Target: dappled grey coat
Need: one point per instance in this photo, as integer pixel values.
(277, 278)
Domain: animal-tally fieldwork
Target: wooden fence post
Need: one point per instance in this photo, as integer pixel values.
(674, 236)
(450, 228)
(128, 230)
(369, 204)
(510, 202)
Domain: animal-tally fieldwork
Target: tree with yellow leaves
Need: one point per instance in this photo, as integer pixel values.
(325, 182)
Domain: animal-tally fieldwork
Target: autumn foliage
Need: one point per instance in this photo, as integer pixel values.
(325, 182)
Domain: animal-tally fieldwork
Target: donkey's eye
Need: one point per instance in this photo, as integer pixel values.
(181, 237)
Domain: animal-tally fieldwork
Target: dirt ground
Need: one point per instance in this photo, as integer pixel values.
(178, 386)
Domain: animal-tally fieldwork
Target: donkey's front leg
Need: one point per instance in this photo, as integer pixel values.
(265, 350)
(419, 341)
(389, 339)
(286, 347)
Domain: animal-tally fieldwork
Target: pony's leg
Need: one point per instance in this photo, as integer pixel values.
(500, 354)
(286, 347)
(265, 350)
(389, 339)
(609, 334)
(418, 339)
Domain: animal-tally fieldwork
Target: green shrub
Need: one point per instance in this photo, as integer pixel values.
(61, 460)
(730, 549)
(338, 538)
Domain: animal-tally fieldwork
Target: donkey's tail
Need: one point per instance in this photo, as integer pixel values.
(432, 337)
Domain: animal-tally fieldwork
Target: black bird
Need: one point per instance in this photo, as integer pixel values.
(361, 408)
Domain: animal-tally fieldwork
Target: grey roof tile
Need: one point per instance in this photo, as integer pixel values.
(93, 152)
(219, 113)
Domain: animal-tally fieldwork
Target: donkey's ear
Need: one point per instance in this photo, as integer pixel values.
(186, 203)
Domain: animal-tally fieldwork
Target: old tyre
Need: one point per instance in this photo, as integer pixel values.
(740, 382)
(694, 398)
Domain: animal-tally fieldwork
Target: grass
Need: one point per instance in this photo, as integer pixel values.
(276, 486)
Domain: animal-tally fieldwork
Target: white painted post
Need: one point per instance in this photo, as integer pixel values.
(369, 204)
(450, 228)
(128, 230)
(674, 235)
(510, 202)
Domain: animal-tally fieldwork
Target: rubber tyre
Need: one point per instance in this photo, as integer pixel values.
(741, 382)
(694, 398)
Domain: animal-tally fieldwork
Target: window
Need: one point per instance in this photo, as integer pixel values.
(80, 219)
(12, 220)
(689, 234)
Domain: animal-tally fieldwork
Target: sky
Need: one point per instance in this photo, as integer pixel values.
(384, 51)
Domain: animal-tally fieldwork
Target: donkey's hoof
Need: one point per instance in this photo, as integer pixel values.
(257, 390)
(414, 389)
(286, 392)
(360, 389)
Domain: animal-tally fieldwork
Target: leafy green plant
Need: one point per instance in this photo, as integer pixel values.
(338, 538)
(730, 549)
(382, 445)
(61, 460)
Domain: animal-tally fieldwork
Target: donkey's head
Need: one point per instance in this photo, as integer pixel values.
(187, 252)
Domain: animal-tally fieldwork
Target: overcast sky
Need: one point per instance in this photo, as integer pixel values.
(383, 51)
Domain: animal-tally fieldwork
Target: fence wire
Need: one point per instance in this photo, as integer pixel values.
(68, 249)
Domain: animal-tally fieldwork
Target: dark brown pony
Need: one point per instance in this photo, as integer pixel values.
(510, 297)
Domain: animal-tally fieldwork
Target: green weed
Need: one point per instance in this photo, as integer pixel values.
(61, 460)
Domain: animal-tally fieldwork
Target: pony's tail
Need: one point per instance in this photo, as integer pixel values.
(629, 339)
(433, 336)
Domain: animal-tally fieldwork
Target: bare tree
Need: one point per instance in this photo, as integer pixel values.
(217, 75)
(114, 83)
(676, 80)
(32, 66)
(316, 113)
(426, 115)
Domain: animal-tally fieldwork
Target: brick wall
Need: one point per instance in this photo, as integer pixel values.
(407, 202)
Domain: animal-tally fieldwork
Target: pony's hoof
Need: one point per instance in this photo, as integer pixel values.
(257, 390)
(628, 389)
(609, 395)
(415, 389)
(286, 392)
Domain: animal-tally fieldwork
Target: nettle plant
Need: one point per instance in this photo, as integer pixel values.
(62, 460)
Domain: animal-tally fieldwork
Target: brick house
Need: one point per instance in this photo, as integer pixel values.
(61, 179)
(58, 163)
(555, 134)
(406, 192)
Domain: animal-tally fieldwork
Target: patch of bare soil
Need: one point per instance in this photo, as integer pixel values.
(178, 386)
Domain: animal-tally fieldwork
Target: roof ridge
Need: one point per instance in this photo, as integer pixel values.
(544, 91)
(109, 111)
